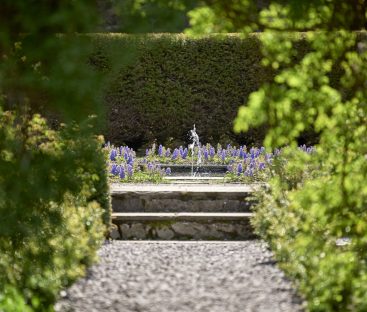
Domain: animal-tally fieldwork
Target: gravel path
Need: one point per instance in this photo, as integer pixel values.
(168, 276)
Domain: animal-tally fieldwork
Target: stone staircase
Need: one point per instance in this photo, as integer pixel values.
(178, 211)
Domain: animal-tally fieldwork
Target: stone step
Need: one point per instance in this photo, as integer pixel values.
(204, 168)
(183, 197)
(182, 226)
(199, 179)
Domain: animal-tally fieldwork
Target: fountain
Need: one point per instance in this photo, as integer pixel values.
(195, 141)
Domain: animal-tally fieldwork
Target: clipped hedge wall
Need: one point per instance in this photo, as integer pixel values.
(173, 82)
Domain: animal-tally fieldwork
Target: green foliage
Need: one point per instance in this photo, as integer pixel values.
(140, 177)
(175, 82)
(141, 16)
(54, 205)
(52, 222)
(300, 216)
(302, 220)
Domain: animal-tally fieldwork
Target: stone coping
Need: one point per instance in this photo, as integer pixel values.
(180, 216)
(121, 188)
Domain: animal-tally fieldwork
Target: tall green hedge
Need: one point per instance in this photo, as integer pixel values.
(173, 82)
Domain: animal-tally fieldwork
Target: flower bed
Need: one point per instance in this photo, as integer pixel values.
(238, 164)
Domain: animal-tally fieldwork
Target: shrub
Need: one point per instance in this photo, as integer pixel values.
(318, 244)
(51, 216)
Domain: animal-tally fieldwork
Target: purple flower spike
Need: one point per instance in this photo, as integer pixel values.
(206, 154)
(113, 155)
(175, 154)
(130, 160)
(212, 152)
(122, 172)
(262, 166)
(114, 169)
(223, 155)
(160, 150)
(184, 154)
(168, 152)
(240, 153)
(130, 170)
(249, 173)
(150, 167)
(245, 155)
(147, 152)
(239, 169)
(181, 151)
(168, 171)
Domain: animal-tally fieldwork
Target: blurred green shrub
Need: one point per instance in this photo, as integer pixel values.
(51, 216)
(302, 217)
(54, 205)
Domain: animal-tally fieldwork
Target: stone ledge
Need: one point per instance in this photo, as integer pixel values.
(144, 188)
(179, 216)
(185, 230)
(182, 197)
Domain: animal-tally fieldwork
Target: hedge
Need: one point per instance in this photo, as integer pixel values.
(173, 82)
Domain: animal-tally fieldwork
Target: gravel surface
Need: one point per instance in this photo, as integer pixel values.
(189, 276)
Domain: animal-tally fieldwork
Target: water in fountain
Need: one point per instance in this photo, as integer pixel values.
(195, 141)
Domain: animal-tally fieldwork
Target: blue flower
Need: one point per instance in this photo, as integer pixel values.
(168, 171)
(239, 169)
(122, 172)
(147, 152)
(212, 152)
(168, 152)
(262, 166)
(114, 169)
(160, 150)
(175, 154)
(130, 170)
(241, 152)
(184, 154)
(130, 160)
(206, 154)
(150, 166)
(249, 173)
(223, 155)
(113, 155)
